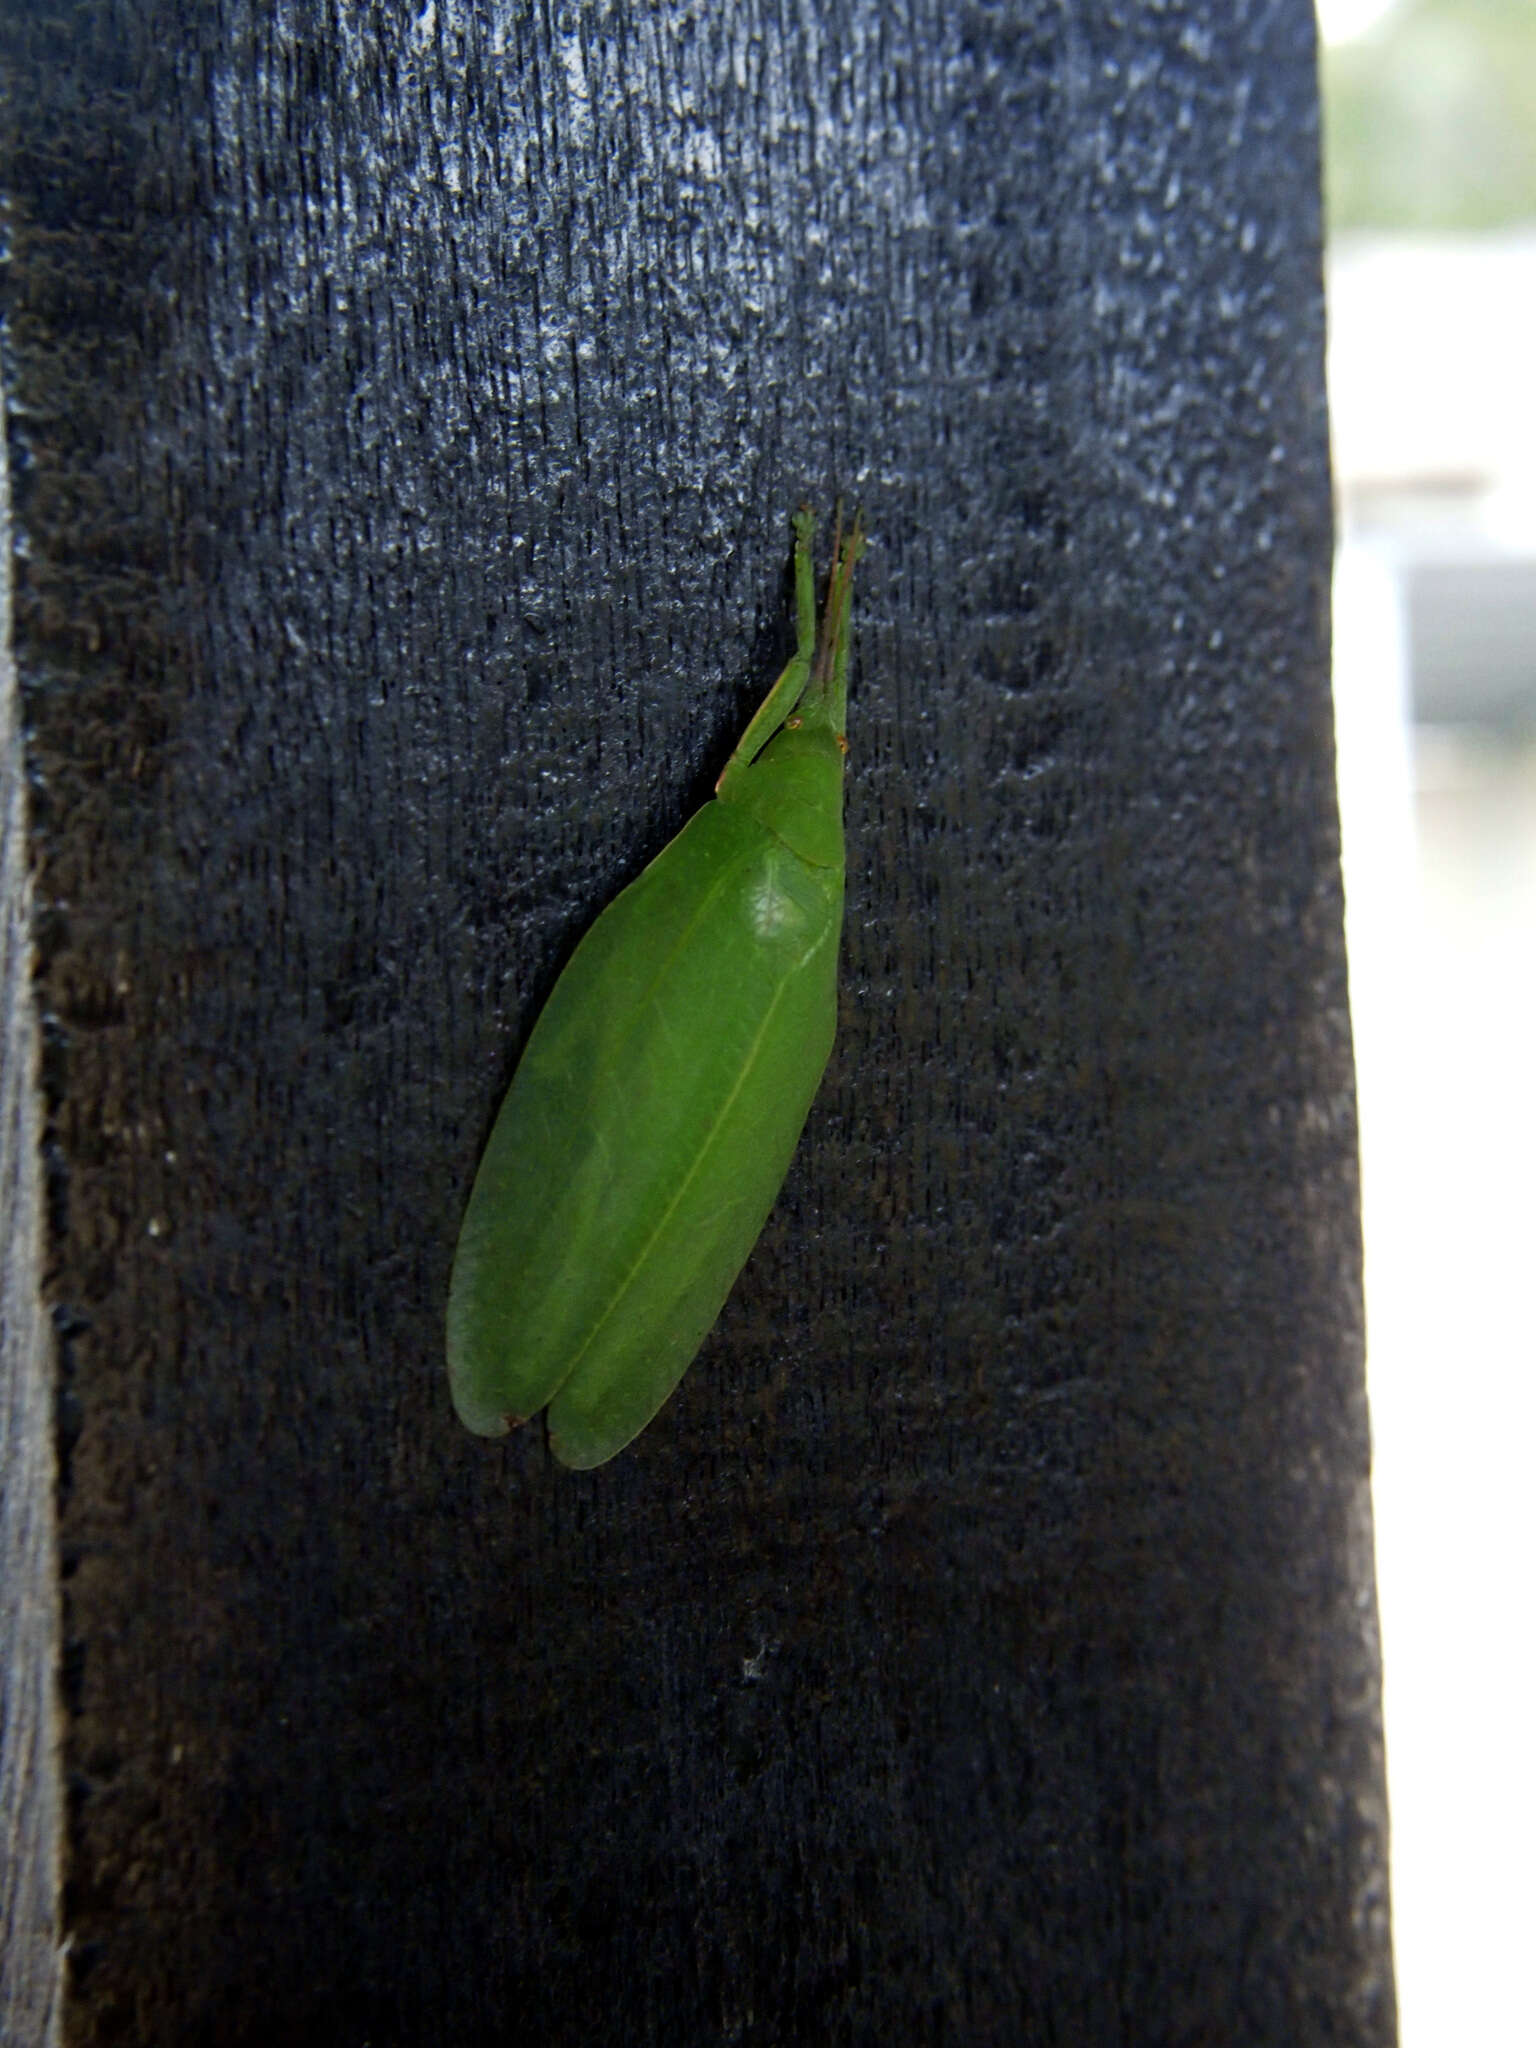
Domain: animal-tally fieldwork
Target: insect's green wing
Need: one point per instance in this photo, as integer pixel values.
(646, 1133)
(740, 1037)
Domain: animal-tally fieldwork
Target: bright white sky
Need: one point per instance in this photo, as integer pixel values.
(1340, 21)
(1429, 369)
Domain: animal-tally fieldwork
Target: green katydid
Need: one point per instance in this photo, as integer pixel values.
(652, 1117)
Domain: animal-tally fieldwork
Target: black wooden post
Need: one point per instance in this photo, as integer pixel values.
(406, 406)
(30, 1812)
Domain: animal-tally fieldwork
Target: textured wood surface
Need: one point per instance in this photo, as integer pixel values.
(30, 1815)
(406, 411)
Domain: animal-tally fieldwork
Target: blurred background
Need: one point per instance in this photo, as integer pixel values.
(1430, 167)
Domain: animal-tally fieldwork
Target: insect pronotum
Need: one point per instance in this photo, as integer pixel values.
(652, 1117)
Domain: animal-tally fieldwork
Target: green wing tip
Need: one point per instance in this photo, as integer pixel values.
(578, 1453)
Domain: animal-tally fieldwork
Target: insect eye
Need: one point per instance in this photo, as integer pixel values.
(842, 743)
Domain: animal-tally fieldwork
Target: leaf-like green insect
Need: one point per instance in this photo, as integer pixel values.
(655, 1110)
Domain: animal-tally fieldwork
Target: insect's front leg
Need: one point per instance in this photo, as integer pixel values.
(787, 691)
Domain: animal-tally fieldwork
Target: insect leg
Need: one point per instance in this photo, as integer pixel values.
(841, 606)
(786, 692)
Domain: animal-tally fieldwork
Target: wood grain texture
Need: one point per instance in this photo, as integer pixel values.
(30, 1791)
(406, 417)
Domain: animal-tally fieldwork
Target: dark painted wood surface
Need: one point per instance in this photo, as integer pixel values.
(406, 412)
(30, 1808)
